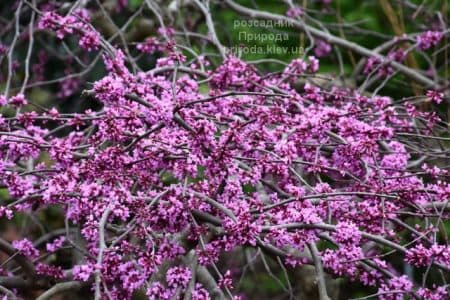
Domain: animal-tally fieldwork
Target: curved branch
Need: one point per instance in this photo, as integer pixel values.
(323, 295)
(62, 288)
(21, 260)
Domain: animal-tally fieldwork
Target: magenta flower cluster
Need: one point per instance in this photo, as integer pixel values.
(187, 162)
(428, 39)
(76, 23)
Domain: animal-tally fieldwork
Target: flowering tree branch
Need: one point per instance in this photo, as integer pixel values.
(153, 159)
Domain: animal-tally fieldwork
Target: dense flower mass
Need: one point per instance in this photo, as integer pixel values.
(145, 134)
(175, 169)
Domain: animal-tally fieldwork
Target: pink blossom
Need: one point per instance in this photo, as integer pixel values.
(56, 244)
(150, 45)
(347, 233)
(322, 48)
(178, 276)
(90, 40)
(18, 100)
(294, 12)
(26, 247)
(435, 96)
(428, 39)
(83, 272)
(395, 289)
